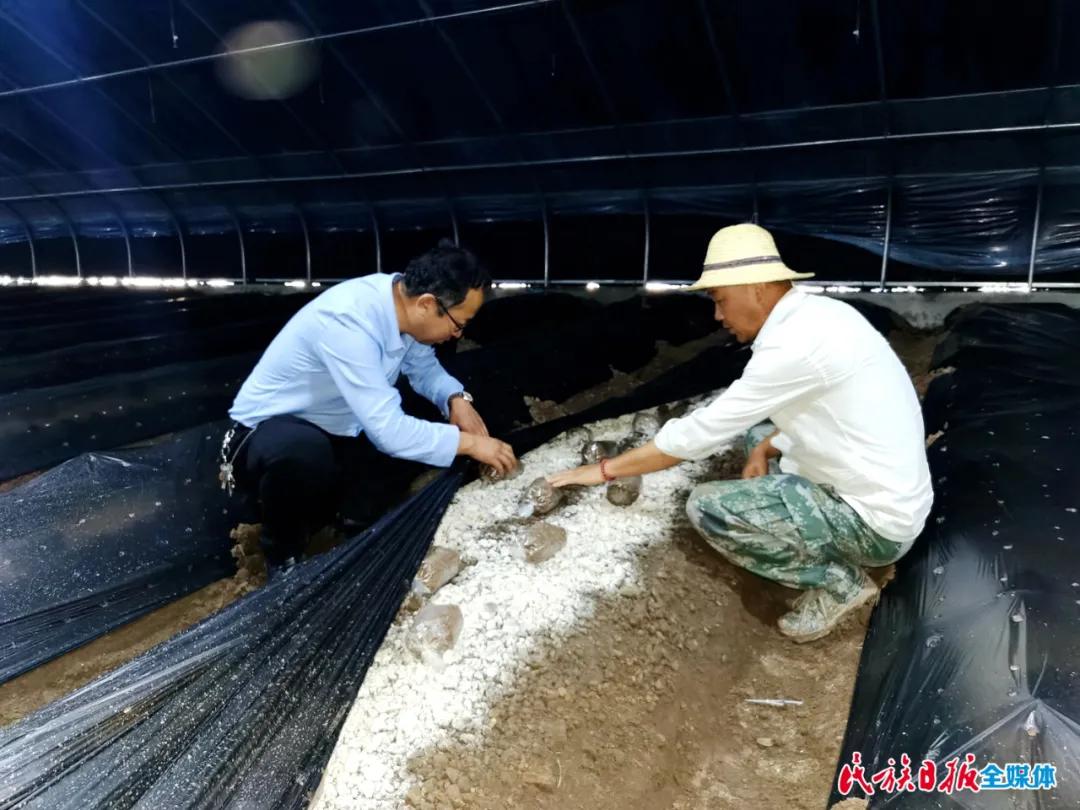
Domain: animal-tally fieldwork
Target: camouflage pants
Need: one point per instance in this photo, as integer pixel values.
(788, 529)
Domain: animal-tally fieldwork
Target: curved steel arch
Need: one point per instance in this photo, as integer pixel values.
(74, 237)
(179, 235)
(307, 241)
(29, 238)
(240, 238)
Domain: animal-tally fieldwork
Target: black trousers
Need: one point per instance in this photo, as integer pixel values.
(297, 478)
(291, 474)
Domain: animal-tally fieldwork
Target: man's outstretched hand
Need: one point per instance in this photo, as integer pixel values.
(587, 476)
(488, 450)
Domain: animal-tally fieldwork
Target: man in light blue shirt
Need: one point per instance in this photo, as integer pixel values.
(329, 376)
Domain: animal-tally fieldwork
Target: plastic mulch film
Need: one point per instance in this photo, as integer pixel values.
(31, 332)
(974, 648)
(99, 358)
(243, 709)
(97, 377)
(104, 538)
(44, 426)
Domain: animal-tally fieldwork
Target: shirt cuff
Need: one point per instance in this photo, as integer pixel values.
(782, 442)
(446, 446)
(443, 392)
(669, 441)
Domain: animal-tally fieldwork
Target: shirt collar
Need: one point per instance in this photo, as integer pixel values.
(784, 307)
(394, 340)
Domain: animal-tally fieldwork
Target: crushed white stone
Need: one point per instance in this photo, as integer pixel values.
(510, 607)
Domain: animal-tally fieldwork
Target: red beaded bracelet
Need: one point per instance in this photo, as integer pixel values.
(604, 472)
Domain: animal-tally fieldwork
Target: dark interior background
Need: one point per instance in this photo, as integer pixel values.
(550, 135)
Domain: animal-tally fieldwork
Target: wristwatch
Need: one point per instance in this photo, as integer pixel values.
(465, 395)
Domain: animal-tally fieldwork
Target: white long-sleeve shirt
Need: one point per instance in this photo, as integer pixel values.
(847, 413)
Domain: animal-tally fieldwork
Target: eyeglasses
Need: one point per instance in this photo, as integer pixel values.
(459, 328)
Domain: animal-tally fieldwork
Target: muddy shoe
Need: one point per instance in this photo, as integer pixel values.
(816, 612)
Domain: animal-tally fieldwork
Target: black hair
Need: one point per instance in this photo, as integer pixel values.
(448, 272)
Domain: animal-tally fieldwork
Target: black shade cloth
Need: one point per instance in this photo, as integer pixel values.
(104, 538)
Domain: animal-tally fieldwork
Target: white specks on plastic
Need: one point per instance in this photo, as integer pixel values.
(1018, 617)
(1008, 547)
(939, 570)
(1031, 725)
(933, 640)
(1014, 668)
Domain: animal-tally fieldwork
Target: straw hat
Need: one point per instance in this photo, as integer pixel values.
(743, 254)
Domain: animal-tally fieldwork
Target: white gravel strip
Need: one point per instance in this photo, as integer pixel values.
(510, 609)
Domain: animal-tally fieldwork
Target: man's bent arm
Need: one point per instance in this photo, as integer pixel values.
(640, 461)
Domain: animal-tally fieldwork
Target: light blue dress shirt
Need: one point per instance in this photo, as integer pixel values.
(335, 363)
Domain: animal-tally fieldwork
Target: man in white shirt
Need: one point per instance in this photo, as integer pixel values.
(852, 487)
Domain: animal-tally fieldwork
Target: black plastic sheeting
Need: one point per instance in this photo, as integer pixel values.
(143, 375)
(973, 648)
(244, 708)
(95, 371)
(86, 360)
(45, 426)
(105, 538)
(59, 328)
